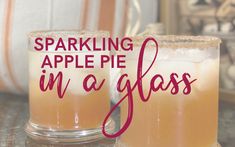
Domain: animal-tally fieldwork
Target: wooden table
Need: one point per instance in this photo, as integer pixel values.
(14, 114)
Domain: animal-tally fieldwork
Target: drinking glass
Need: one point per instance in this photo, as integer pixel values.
(78, 116)
(179, 120)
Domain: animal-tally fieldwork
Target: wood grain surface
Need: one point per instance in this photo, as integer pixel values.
(14, 115)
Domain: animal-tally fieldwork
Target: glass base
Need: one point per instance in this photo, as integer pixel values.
(67, 136)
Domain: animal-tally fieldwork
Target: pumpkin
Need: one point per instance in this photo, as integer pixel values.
(19, 17)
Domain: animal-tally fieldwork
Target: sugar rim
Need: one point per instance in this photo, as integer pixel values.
(68, 33)
(179, 41)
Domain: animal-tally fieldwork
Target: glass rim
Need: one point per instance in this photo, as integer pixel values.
(180, 41)
(68, 33)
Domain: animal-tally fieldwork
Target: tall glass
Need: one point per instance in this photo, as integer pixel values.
(179, 120)
(79, 115)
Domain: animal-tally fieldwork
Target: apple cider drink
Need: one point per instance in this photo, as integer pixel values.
(179, 120)
(79, 114)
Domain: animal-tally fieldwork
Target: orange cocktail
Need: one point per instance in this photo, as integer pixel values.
(179, 120)
(78, 115)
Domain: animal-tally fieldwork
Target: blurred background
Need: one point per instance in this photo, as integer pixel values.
(120, 17)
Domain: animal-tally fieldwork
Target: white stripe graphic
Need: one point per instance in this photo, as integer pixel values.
(80, 13)
(50, 14)
(3, 69)
(118, 20)
(93, 15)
(2, 18)
(66, 14)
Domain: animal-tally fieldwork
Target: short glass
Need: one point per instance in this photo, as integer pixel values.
(79, 115)
(179, 120)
